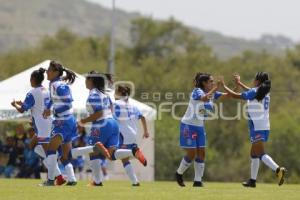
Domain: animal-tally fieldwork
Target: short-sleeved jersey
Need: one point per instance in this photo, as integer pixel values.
(60, 98)
(197, 109)
(98, 101)
(258, 111)
(36, 101)
(128, 116)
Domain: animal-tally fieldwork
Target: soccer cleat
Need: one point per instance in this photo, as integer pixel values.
(91, 184)
(100, 148)
(250, 183)
(198, 184)
(179, 179)
(136, 185)
(280, 172)
(71, 183)
(47, 183)
(140, 156)
(59, 180)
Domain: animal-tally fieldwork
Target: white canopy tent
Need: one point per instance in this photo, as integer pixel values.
(18, 85)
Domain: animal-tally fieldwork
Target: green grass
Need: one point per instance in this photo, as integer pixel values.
(14, 189)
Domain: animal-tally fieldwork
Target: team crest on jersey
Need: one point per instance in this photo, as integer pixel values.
(194, 135)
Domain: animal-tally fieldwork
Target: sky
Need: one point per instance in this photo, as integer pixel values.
(240, 18)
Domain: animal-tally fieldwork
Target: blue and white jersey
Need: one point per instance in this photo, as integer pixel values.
(61, 98)
(197, 109)
(258, 111)
(36, 101)
(98, 101)
(128, 116)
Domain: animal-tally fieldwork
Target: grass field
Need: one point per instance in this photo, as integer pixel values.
(14, 189)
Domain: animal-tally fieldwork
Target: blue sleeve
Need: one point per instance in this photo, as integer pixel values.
(28, 102)
(218, 94)
(63, 108)
(96, 103)
(64, 91)
(249, 95)
(197, 94)
(137, 113)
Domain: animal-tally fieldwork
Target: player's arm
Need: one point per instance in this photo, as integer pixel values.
(92, 117)
(209, 94)
(140, 116)
(247, 95)
(28, 103)
(145, 128)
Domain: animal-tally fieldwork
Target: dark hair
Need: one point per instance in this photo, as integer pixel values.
(70, 75)
(264, 87)
(97, 79)
(109, 77)
(124, 90)
(38, 76)
(200, 78)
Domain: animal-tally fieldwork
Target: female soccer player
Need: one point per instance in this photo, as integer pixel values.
(128, 116)
(64, 124)
(192, 132)
(104, 133)
(258, 101)
(36, 101)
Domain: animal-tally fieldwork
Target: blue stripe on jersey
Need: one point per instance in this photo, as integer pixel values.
(249, 95)
(95, 101)
(63, 93)
(197, 94)
(117, 111)
(62, 109)
(28, 102)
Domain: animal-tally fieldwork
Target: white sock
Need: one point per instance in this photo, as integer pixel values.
(39, 150)
(123, 153)
(130, 173)
(97, 175)
(269, 162)
(254, 168)
(199, 170)
(82, 151)
(57, 171)
(70, 172)
(184, 165)
(51, 161)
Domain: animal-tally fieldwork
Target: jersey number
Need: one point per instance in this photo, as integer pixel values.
(267, 103)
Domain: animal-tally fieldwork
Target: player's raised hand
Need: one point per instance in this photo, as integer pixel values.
(221, 82)
(236, 78)
(20, 103)
(146, 134)
(13, 103)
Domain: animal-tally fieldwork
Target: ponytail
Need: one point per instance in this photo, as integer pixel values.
(264, 87)
(38, 76)
(70, 75)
